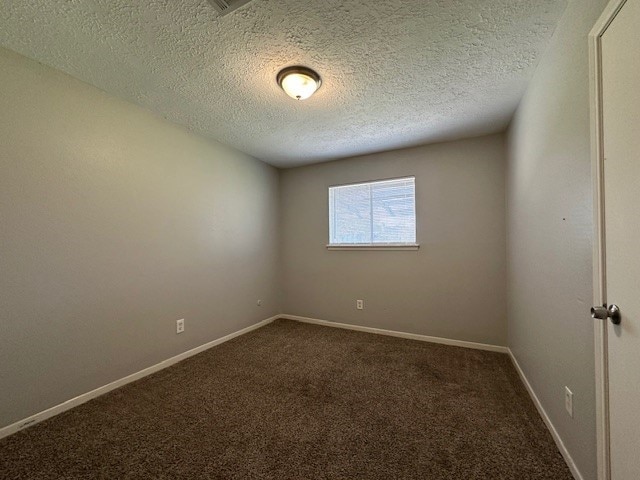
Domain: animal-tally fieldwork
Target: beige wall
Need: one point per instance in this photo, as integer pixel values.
(550, 231)
(453, 287)
(114, 224)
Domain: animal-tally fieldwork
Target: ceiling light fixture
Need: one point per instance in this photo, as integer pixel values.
(299, 82)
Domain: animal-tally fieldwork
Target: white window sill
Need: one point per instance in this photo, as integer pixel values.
(374, 246)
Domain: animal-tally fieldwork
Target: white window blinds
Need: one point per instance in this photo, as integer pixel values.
(373, 213)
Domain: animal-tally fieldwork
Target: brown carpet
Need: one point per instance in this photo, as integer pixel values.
(298, 401)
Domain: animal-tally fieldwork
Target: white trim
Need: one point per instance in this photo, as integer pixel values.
(599, 247)
(377, 180)
(554, 433)
(373, 246)
(460, 343)
(85, 397)
(392, 333)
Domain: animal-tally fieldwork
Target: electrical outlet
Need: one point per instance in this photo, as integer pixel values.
(360, 304)
(568, 401)
(180, 325)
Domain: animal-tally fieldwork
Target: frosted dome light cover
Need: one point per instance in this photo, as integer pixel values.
(299, 82)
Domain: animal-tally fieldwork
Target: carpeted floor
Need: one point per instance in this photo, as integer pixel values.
(296, 401)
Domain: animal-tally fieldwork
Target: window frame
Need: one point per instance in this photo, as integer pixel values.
(373, 246)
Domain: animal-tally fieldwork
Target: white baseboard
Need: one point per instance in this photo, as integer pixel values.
(460, 343)
(85, 397)
(392, 333)
(554, 433)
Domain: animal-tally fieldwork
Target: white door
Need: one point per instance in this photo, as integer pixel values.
(620, 90)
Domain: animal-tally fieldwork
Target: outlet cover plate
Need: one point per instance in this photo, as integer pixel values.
(568, 401)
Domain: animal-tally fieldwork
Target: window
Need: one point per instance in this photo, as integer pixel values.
(373, 214)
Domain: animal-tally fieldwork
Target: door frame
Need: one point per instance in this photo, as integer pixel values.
(599, 245)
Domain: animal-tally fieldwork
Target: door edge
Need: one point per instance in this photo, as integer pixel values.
(599, 240)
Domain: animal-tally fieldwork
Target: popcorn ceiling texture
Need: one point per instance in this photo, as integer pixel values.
(395, 73)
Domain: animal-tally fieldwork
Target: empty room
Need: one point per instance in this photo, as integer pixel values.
(338, 240)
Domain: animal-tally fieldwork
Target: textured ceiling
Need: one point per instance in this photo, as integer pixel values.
(395, 73)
